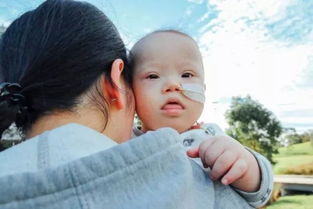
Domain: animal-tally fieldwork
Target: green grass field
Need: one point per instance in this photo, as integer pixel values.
(293, 202)
(289, 157)
(293, 155)
(297, 149)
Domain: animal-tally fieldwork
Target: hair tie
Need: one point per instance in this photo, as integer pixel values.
(11, 92)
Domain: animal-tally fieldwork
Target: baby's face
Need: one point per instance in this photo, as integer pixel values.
(164, 61)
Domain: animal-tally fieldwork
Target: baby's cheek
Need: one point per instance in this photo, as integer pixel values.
(145, 108)
(196, 111)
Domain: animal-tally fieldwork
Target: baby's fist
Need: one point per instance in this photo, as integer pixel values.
(226, 157)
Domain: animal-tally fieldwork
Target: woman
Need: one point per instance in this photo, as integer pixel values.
(66, 84)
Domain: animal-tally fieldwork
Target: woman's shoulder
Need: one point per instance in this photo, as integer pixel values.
(19, 157)
(53, 148)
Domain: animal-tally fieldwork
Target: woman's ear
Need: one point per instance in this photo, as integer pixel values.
(114, 89)
(116, 72)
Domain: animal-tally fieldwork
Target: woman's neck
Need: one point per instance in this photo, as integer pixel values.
(89, 117)
(57, 119)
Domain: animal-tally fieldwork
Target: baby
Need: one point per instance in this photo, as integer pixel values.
(169, 87)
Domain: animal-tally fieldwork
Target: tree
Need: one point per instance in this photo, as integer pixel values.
(254, 126)
(295, 138)
(10, 137)
(291, 136)
(307, 136)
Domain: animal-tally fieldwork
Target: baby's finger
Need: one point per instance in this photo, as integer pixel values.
(214, 151)
(193, 152)
(237, 170)
(222, 164)
(203, 148)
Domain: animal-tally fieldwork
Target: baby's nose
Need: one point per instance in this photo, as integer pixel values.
(172, 87)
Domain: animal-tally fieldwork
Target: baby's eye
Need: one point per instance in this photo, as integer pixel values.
(152, 76)
(187, 75)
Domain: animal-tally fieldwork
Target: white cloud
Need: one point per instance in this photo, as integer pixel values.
(196, 1)
(188, 12)
(4, 22)
(204, 17)
(254, 9)
(241, 58)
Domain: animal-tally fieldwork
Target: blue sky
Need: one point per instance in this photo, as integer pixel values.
(261, 48)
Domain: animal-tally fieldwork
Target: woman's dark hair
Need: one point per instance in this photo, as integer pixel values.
(56, 53)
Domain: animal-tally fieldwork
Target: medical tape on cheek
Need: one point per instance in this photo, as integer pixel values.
(194, 91)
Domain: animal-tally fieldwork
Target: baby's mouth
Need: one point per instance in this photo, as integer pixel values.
(173, 107)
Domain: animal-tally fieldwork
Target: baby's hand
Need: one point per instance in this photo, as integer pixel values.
(230, 161)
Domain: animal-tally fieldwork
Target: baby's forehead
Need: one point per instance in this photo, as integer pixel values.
(165, 45)
(162, 39)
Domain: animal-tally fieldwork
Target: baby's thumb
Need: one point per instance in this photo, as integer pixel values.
(193, 152)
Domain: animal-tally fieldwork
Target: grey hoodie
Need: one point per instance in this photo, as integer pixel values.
(76, 167)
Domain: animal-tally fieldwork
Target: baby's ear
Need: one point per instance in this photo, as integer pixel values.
(114, 89)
